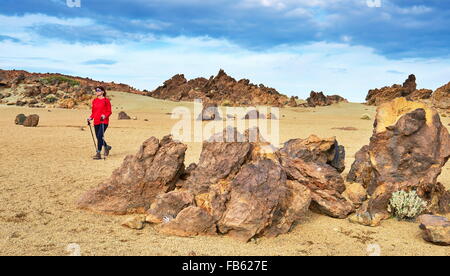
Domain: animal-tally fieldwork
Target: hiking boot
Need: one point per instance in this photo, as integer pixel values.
(97, 156)
(107, 149)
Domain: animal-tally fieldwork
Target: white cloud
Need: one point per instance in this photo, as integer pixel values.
(294, 70)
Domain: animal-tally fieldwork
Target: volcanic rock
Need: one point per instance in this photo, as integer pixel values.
(123, 116)
(31, 121)
(355, 193)
(407, 151)
(408, 90)
(191, 221)
(169, 205)
(292, 102)
(441, 97)
(136, 184)
(315, 149)
(20, 119)
(242, 186)
(436, 229)
(219, 89)
(319, 99)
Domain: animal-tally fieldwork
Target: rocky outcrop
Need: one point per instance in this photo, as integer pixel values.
(31, 121)
(319, 99)
(219, 89)
(139, 180)
(15, 77)
(55, 90)
(242, 186)
(436, 229)
(407, 90)
(441, 97)
(407, 151)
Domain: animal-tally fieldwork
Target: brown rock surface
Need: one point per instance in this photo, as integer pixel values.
(319, 99)
(219, 89)
(407, 151)
(123, 116)
(240, 189)
(20, 119)
(408, 90)
(315, 149)
(441, 97)
(31, 121)
(135, 185)
(436, 229)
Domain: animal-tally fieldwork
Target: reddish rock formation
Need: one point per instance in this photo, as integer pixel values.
(15, 77)
(40, 90)
(408, 90)
(319, 99)
(407, 151)
(315, 149)
(219, 89)
(240, 189)
(441, 97)
(140, 179)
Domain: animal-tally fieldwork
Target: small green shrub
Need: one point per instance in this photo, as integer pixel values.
(53, 80)
(406, 205)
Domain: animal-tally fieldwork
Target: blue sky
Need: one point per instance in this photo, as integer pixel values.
(295, 46)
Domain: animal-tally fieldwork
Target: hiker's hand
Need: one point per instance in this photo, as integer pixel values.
(103, 117)
(89, 121)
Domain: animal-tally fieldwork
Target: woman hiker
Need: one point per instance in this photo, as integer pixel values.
(101, 110)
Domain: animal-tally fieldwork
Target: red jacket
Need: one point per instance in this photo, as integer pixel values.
(101, 107)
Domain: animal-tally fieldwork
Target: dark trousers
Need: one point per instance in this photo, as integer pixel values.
(100, 133)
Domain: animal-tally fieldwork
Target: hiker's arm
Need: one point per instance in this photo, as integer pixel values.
(92, 112)
(108, 110)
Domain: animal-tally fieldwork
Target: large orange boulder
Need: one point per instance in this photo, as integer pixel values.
(407, 151)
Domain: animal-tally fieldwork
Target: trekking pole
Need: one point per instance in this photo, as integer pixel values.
(92, 134)
(103, 138)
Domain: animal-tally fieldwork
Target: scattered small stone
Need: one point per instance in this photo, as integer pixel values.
(436, 229)
(136, 222)
(20, 119)
(124, 116)
(31, 121)
(145, 120)
(135, 118)
(365, 117)
(82, 128)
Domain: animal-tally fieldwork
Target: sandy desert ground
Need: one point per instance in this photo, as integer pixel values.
(44, 170)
